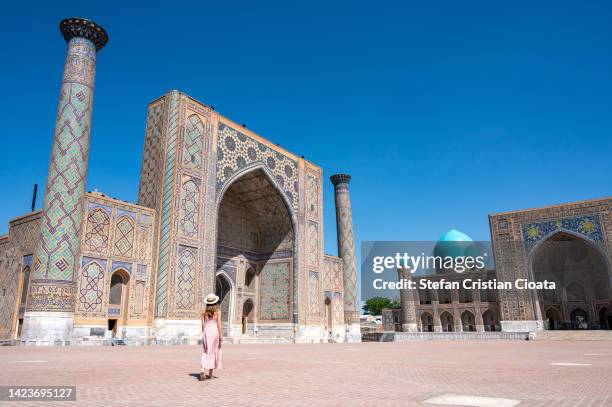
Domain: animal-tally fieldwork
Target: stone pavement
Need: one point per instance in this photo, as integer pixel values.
(374, 374)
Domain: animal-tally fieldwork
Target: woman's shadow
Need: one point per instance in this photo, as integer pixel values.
(197, 376)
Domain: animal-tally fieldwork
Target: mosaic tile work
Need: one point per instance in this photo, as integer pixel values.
(588, 226)
(57, 250)
(274, 292)
(131, 234)
(190, 205)
(144, 243)
(166, 206)
(151, 175)
(346, 246)
(97, 230)
(338, 308)
(313, 294)
(192, 142)
(58, 247)
(236, 151)
(184, 295)
(312, 195)
(91, 288)
(124, 236)
(313, 244)
(9, 284)
(332, 275)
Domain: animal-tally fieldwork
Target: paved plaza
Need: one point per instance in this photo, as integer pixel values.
(375, 374)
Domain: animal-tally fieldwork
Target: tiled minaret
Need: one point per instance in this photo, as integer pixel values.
(50, 307)
(346, 251)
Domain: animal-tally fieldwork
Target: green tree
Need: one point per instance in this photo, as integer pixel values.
(375, 305)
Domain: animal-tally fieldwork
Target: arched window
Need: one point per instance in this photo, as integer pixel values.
(249, 278)
(116, 289)
(425, 296)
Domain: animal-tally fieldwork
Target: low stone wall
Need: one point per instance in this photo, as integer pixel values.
(452, 336)
(594, 335)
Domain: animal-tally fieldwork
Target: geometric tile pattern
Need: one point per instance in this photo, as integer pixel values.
(185, 279)
(338, 308)
(9, 283)
(235, 151)
(58, 247)
(274, 291)
(312, 240)
(152, 160)
(167, 205)
(124, 236)
(144, 246)
(92, 286)
(188, 218)
(313, 293)
(192, 144)
(96, 232)
(332, 274)
(346, 243)
(312, 195)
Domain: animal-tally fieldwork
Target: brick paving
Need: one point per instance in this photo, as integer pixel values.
(377, 374)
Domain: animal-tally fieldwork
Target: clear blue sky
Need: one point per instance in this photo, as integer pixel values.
(443, 112)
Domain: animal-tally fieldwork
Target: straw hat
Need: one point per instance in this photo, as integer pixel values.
(211, 299)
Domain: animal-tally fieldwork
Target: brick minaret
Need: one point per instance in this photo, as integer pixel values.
(346, 251)
(407, 301)
(50, 308)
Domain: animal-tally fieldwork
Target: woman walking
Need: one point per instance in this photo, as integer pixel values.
(211, 336)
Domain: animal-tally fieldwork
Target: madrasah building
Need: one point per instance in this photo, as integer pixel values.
(565, 248)
(220, 209)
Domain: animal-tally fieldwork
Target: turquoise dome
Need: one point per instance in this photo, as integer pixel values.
(455, 235)
(454, 243)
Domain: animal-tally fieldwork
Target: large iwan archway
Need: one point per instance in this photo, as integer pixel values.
(582, 278)
(255, 248)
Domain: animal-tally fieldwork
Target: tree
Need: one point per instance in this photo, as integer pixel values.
(375, 305)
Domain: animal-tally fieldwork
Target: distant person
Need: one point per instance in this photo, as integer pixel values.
(211, 337)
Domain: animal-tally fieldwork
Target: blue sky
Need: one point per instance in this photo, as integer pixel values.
(442, 112)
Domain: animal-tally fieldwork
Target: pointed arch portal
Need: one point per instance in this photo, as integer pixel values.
(256, 226)
(582, 278)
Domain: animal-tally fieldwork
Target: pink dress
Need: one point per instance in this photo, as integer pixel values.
(211, 357)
